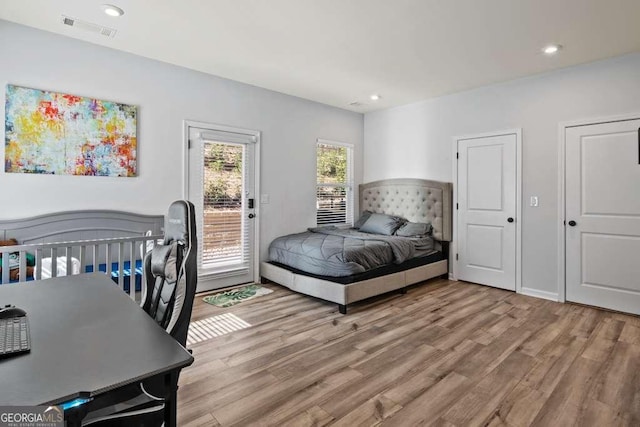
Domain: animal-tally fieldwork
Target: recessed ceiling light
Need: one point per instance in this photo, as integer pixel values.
(374, 97)
(551, 49)
(112, 10)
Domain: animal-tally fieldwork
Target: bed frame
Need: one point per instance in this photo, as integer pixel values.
(417, 200)
(110, 241)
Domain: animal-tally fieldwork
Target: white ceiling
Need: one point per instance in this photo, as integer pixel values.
(339, 51)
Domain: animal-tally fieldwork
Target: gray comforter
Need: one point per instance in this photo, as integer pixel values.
(331, 251)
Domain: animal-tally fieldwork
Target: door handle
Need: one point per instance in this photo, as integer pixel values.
(251, 216)
(510, 219)
(572, 223)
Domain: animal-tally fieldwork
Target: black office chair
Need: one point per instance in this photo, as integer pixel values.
(171, 278)
(171, 272)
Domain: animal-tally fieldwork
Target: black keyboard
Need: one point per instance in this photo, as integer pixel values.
(14, 336)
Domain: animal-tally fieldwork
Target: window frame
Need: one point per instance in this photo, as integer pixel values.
(348, 185)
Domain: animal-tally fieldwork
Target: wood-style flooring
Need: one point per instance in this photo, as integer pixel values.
(446, 354)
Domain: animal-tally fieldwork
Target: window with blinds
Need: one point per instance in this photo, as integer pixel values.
(223, 231)
(334, 182)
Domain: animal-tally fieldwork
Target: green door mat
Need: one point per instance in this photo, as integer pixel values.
(236, 296)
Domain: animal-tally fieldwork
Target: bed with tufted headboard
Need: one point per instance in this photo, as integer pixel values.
(413, 200)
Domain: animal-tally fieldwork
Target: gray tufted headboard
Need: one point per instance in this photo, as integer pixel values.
(418, 200)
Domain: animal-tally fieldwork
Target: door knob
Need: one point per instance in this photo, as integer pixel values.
(510, 219)
(573, 223)
(251, 216)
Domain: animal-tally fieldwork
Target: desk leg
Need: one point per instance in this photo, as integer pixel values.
(74, 416)
(72, 422)
(171, 400)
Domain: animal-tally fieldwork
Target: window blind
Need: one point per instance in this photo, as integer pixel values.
(225, 241)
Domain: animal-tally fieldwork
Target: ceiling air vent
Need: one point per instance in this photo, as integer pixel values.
(88, 26)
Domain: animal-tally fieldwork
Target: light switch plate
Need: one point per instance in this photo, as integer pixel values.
(264, 199)
(534, 201)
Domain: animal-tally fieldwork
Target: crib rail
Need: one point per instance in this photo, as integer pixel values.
(88, 252)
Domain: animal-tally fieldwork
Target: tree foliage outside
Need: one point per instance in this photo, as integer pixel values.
(223, 174)
(331, 164)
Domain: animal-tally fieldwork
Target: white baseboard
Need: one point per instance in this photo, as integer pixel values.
(552, 296)
(451, 276)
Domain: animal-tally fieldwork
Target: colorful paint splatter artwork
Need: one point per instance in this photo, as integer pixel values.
(54, 133)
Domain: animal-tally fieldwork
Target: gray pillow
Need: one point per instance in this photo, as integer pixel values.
(382, 224)
(363, 218)
(414, 229)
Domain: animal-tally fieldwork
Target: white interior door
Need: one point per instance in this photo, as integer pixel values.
(603, 215)
(486, 224)
(221, 184)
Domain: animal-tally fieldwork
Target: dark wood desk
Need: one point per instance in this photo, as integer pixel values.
(87, 338)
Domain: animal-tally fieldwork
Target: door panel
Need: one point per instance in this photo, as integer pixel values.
(602, 198)
(221, 186)
(485, 174)
(603, 171)
(482, 241)
(619, 269)
(486, 201)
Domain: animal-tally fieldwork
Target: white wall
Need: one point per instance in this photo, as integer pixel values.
(416, 140)
(166, 95)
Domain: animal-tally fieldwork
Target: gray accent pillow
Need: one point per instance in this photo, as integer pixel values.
(363, 218)
(382, 224)
(414, 229)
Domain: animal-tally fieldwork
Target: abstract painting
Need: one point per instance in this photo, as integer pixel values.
(55, 133)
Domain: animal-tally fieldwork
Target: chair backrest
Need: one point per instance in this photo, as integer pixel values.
(171, 272)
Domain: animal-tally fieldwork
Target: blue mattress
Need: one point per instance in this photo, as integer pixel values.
(126, 272)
